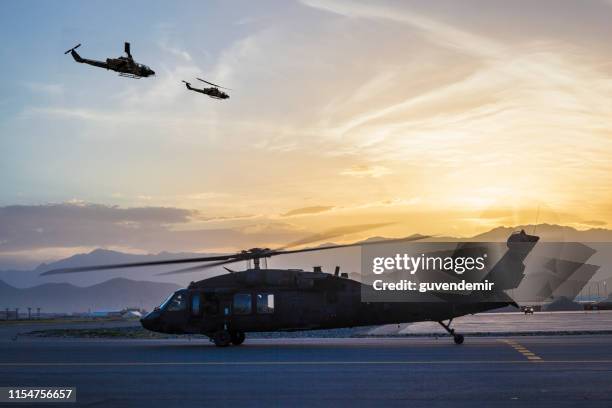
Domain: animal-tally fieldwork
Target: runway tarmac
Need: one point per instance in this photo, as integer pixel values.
(579, 322)
(543, 371)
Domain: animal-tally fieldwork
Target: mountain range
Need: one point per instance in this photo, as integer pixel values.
(117, 288)
(114, 294)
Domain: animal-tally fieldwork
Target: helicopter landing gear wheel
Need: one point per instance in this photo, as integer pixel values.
(237, 338)
(458, 338)
(222, 338)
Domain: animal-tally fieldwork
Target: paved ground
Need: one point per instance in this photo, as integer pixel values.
(512, 323)
(10, 330)
(538, 371)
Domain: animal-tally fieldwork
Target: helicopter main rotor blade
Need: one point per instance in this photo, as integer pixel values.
(389, 241)
(210, 83)
(198, 267)
(334, 233)
(136, 264)
(245, 255)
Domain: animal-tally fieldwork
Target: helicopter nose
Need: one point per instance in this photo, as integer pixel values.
(150, 321)
(145, 323)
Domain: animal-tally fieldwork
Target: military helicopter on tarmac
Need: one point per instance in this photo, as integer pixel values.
(126, 66)
(213, 92)
(225, 307)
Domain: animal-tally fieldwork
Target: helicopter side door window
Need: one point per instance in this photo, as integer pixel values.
(211, 304)
(265, 303)
(178, 303)
(242, 304)
(195, 304)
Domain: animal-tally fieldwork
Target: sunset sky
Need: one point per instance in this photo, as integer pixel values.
(444, 117)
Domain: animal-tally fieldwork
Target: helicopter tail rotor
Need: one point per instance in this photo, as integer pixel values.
(73, 48)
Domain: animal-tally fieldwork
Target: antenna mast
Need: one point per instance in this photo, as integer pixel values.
(536, 220)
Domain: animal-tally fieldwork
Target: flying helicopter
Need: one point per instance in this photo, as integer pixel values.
(257, 299)
(214, 92)
(126, 66)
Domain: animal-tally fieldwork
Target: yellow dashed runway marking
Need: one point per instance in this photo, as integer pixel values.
(523, 350)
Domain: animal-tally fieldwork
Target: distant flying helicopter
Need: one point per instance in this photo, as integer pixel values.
(257, 299)
(126, 66)
(213, 92)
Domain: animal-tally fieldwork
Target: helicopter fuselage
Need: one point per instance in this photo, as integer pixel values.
(124, 65)
(225, 307)
(215, 93)
(258, 300)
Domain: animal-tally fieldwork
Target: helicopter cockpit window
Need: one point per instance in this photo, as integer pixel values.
(242, 303)
(195, 304)
(165, 302)
(178, 302)
(265, 303)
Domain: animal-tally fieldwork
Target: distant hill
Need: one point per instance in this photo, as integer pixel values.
(549, 232)
(105, 256)
(114, 294)
(27, 278)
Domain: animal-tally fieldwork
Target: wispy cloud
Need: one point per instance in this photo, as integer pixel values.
(165, 46)
(436, 31)
(366, 170)
(307, 210)
(44, 88)
(141, 228)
